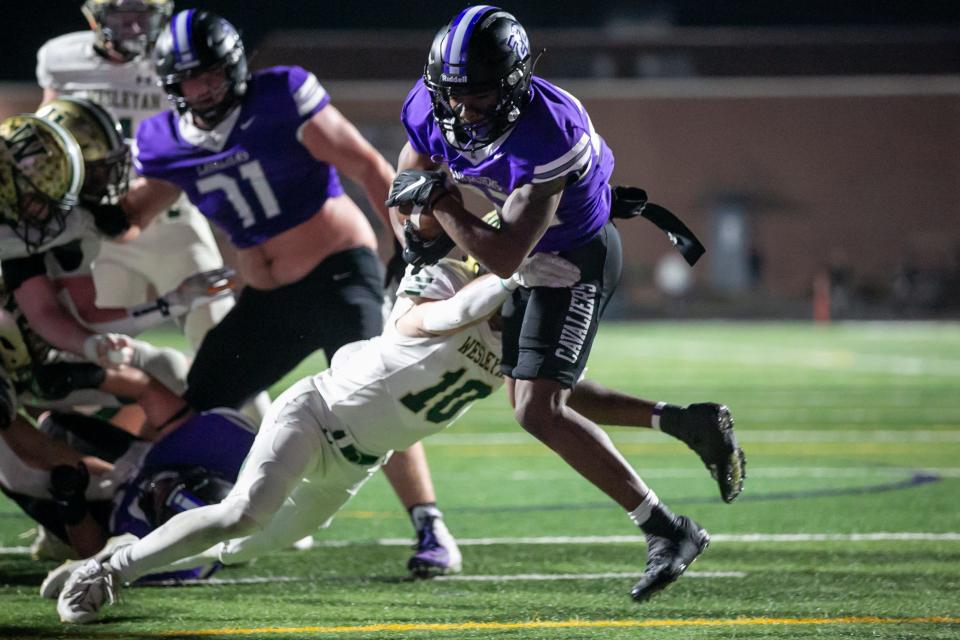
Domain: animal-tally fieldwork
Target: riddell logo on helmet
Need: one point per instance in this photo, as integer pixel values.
(453, 77)
(183, 66)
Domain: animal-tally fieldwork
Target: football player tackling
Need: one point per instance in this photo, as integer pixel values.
(327, 434)
(260, 155)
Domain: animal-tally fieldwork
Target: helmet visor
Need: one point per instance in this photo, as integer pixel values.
(38, 217)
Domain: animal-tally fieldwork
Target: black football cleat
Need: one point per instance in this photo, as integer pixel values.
(668, 558)
(707, 428)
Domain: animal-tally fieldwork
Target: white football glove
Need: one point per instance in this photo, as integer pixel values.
(109, 350)
(199, 289)
(543, 270)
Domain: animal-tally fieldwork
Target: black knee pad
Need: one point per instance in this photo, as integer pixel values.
(67, 486)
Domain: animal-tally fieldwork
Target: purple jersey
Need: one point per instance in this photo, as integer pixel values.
(216, 440)
(250, 175)
(553, 137)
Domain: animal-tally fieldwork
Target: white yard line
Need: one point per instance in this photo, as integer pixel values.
(14, 551)
(743, 435)
(714, 537)
(760, 472)
(518, 577)
(582, 576)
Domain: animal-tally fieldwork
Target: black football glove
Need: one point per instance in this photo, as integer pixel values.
(420, 252)
(417, 188)
(110, 219)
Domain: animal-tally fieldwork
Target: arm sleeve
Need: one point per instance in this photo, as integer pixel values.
(472, 303)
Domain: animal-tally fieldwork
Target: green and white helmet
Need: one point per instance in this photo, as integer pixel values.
(128, 28)
(106, 156)
(41, 174)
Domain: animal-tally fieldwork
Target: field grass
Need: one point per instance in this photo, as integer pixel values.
(851, 431)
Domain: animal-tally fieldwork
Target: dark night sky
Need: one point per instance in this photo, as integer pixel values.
(28, 24)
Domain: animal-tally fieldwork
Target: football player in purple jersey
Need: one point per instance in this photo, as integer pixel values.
(530, 148)
(260, 155)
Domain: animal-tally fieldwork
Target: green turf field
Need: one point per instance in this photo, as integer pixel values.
(849, 526)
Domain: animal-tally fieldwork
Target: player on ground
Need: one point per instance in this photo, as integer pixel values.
(529, 147)
(111, 64)
(327, 434)
(260, 155)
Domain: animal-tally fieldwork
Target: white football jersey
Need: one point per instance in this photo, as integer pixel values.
(69, 65)
(392, 391)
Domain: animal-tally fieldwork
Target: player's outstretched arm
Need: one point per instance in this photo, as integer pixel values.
(479, 299)
(146, 199)
(37, 298)
(330, 137)
(40, 450)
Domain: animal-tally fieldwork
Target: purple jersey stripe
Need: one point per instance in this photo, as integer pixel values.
(459, 37)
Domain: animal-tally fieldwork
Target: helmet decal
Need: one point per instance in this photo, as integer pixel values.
(25, 142)
(182, 28)
(455, 54)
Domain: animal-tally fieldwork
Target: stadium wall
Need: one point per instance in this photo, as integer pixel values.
(859, 173)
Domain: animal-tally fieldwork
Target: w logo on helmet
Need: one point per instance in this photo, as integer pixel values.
(24, 143)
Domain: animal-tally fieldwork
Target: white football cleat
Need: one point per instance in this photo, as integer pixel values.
(47, 546)
(304, 544)
(53, 583)
(85, 591)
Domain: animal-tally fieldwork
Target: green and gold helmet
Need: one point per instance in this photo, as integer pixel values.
(106, 156)
(15, 356)
(127, 28)
(41, 173)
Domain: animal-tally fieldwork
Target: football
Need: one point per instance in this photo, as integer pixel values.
(426, 223)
